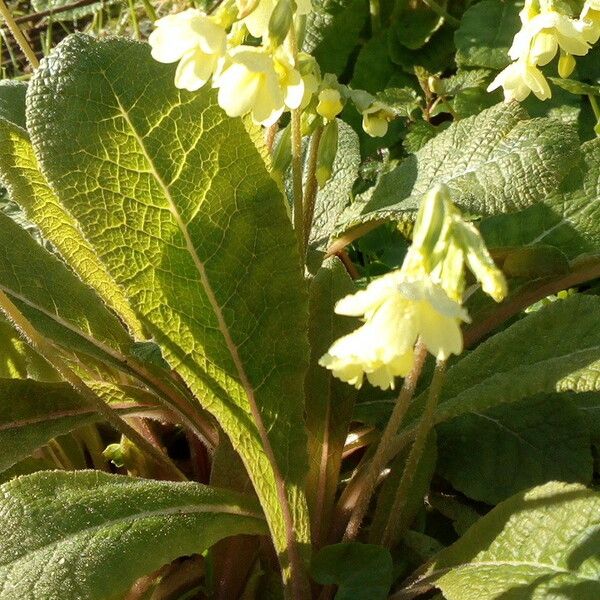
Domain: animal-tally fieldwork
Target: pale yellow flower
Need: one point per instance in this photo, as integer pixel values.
(542, 36)
(590, 15)
(518, 80)
(330, 104)
(257, 21)
(260, 83)
(195, 40)
(376, 119)
(397, 309)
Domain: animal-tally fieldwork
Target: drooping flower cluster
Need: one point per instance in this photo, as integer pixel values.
(546, 31)
(246, 51)
(421, 300)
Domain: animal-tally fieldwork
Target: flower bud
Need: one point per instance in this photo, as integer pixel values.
(432, 219)
(566, 65)
(282, 153)
(327, 152)
(330, 104)
(281, 21)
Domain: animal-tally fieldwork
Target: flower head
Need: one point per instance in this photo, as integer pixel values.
(330, 104)
(519, 79)
(194, 39)
(257, 21)
(376, 119)
(259, 83)
(397, 310)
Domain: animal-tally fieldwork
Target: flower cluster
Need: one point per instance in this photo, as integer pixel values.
(546, 31)
(422, 300)
(247, 52)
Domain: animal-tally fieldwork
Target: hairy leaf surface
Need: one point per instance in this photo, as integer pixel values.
(539, 544)
(496, 161)
(177, 202)
(91, 535)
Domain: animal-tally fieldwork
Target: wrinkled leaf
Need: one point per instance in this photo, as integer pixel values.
(539, 544)
(176, 200)
(91, 535)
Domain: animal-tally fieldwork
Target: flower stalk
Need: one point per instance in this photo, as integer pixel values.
(377, 464)
(390, 532)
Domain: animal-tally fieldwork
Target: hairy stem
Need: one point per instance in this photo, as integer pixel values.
(18, 35)
(297, 180)
(379, 460)
(49, 352)
(390, 532)
(310, 193)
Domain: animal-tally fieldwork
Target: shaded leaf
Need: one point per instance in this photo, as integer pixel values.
(32, 413)
(361, 571)
(328, 401)
(486, 32)
(494, 454)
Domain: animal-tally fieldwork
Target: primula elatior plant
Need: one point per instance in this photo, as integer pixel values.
(296, 305)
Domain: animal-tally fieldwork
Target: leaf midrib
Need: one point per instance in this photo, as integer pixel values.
(223, 328)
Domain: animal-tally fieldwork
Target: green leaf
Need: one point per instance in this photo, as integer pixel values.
(588, 404)
(12, 101)
(463, 80)
(329, 401)
(91, 535)
(486, 32)
(569, 218)
(556, 348)
(496, 161)
(33, 412)
(414, 24)
(177, 202)
(576, 87)
(537, 545)
(494, 454)
(19, 172)
(57, 303)
(332, 31)
(361, 571)
(18, 360)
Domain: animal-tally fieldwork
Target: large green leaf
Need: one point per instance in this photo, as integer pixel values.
(91, 535)
(496, 161)
(177, 202)
(538, 545)
(20, 174)
(494, 454)
(33, 412)
(554, 349)
(328, 401)
(568, 218)
(486, 32)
